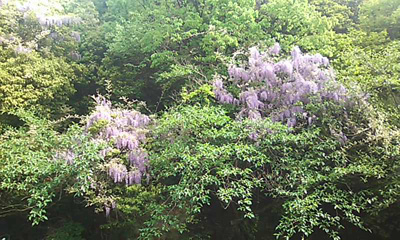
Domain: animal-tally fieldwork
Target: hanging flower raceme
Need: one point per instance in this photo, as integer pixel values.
(280, 89)
(222, 95)
(126, 130)
(59, 21)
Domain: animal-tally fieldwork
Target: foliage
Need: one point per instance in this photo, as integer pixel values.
(294, 23)
(69, 231)
(159, 47)
(135, 203)
(213, 156)
(258, 144)
(369, 55)
(34, 166)
(156, 48)
(204, 94)
(370, 60)
(194, 158)
(44, 36)
(381, 15)
(37, 163)
(204, 154)
(30, 81)
(343, 13)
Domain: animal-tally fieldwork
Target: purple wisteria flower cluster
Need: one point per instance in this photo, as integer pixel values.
(280, 90)
(126, 130)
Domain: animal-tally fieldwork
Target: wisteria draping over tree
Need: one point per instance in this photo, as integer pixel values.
(122, 133)
(280, 89)
(126, 131)
(121, 136)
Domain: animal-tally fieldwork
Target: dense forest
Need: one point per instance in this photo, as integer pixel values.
(199, 119)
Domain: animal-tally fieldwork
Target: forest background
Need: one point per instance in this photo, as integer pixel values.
(199, 119)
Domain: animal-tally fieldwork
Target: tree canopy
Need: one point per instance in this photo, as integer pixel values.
(194, 119)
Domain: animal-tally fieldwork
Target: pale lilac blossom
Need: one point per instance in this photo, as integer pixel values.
(280, 90)
(126, 131)
(274, 50)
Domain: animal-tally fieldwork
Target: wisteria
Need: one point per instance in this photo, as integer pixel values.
(76, 36)
(126, 130)
(275, 49)
(22, 50)
(109, 207)
(125, 161)
(48, 21)
(280, 90)
(222, 95)
(117, 171)
(43, 11)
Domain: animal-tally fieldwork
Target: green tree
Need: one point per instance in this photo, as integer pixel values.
(155, 48)
(39, 54)
(36, 166)
(295, 23)
(32, 82)
(370, 60)
(381, 15)
(343, 13)
(206, 159)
